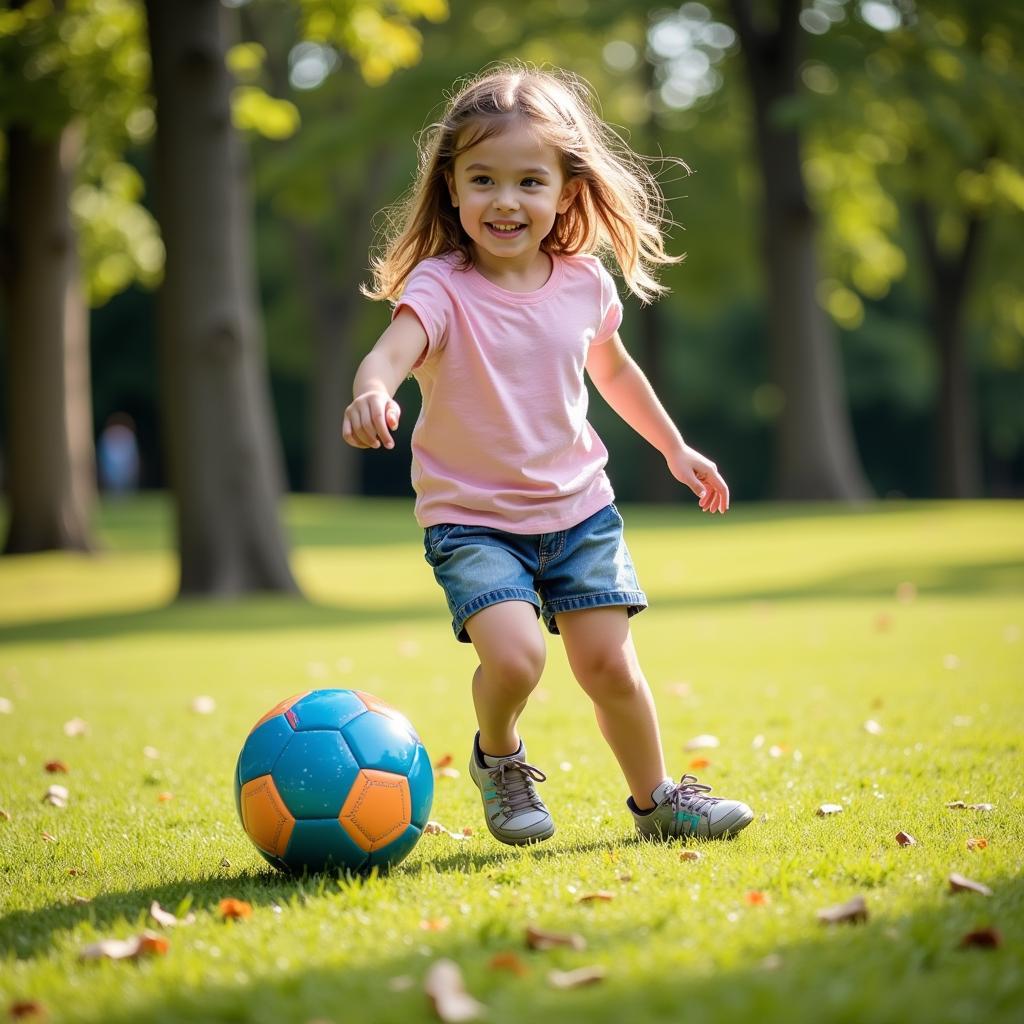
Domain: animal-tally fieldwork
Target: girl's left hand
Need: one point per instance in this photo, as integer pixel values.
(701, 475)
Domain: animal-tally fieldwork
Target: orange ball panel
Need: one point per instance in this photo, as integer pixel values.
(374, 703)
(280, 709)
(378, 809)
(265, 817)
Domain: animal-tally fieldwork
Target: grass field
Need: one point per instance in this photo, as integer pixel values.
(782, 631)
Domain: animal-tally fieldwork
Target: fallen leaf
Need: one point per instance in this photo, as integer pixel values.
(983, 938)
(166, 918)
(75, 872)
(977, 843)
(600, 896)
(541, 939)
(872, 727)
(146, 944)
(702, 742)
(826, 809)
(959, 883)
(57, 796)
(700, 762)
(905, 839)
(508, 961)
(981, 807)
(164, 798)
(81, 901)
(48, 837)
(5, 815)
(76, 727)
(444, 986)
(627, 877)
(443, 761)
(234, 909)
(203, 705)
(690, 855)
(224, 862)
(756, 898)
(577, 978)
(853, 911)
(435, 828)
(56, 767)
(435, 924)
(23, 1009)
(956, 805)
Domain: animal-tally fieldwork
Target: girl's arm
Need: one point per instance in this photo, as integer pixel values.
(624, 387)
(373, 412)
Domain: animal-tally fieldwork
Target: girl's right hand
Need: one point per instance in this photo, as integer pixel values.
(370, 419)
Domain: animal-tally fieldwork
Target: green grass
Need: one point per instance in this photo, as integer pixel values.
(782, 622)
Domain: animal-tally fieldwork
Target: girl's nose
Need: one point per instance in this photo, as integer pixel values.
(506, 200)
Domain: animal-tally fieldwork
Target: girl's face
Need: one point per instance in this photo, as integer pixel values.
(508, 190)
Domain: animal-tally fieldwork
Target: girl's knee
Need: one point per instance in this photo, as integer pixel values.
(515, 668)
(609, 674)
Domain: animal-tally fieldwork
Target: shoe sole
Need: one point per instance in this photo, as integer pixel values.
(522, 840)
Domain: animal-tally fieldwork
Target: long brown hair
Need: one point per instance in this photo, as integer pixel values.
(620, 206)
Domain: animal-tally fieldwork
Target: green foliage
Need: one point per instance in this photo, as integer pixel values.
(770, 628)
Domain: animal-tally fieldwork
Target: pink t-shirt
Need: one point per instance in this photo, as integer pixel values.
(502, 439)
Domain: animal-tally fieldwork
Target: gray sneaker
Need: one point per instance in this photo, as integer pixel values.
(683, 809)
(514, 812)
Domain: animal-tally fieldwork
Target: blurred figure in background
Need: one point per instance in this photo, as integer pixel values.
(117, 455)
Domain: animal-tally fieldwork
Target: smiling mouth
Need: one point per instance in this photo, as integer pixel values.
(505, 230)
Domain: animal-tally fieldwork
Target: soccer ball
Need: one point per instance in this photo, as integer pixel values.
(333, 779)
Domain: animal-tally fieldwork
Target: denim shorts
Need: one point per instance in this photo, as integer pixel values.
(586, 566)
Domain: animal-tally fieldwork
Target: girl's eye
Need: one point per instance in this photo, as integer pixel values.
(532, 181)
(480, 179)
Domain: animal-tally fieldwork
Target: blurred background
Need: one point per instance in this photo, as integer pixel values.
(191, 191)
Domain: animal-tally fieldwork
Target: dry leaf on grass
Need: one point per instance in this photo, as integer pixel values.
(435, 828)
(5, 815)
(56, 796)
(977, 843)
(444, 986)
(704, 741)
(81, 901)
(49, 837)
(690, 855)
(982, 938)
(27, 1009)
(166, 918)
(756, 898)
(826, 809)
(854, 911)
(959, 805)
(443, 761)
(959, 883)
(905, 839)
(435, 924)
(508, 961)
(232, 909)
(76, 727)
(146, 944)
(600, 896)
(56, 767)
(541, 939)
(575, 979)
(699, 762)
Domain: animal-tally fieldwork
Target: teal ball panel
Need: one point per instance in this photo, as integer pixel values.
(325, 709)
(421, 787)
(314, 774)
(322, 844)
(263, 748)
(381, 742)
(396, 851)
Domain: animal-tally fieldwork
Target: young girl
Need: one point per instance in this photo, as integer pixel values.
(500, 303)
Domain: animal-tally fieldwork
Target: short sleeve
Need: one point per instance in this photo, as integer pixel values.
(611, 307)
(427, 294)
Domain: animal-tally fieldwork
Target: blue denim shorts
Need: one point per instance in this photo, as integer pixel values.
(586, 566)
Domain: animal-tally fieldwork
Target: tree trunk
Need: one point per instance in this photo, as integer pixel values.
(958, 446)
(50, 453)
(225, 457)
(816, 456)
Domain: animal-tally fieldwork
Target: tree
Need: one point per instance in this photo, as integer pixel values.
(224, 455)
(816, 453)
(71, 99)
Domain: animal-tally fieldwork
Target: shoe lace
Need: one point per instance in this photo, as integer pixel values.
(690, 795)
(514, 783)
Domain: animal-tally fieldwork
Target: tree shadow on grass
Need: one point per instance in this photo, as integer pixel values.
(908, 969)
(275, 613)
(25, 933)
